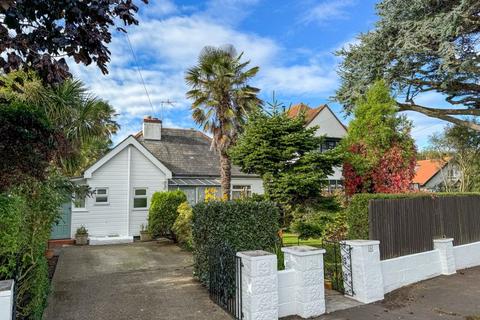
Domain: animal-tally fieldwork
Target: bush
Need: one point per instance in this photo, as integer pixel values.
(238, 225)
(357, 211)
(311, 224)
(182, 228)
(163, 212)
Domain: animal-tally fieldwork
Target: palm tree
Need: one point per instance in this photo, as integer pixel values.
(222, 99)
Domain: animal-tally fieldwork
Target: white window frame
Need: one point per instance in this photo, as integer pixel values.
(140, 197)
(107, 194)
(74, 205)
(241, 188)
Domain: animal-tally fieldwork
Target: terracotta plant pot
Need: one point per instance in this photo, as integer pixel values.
(328, 284)
(81, 239)
(49, 253)
(145, 236)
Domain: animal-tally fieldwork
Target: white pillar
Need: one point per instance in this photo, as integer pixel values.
(367, 278)
(307, 262)
(259, 285)
(6, 299)
(447, 258)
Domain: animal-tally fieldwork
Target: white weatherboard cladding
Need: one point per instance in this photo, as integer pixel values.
(144, 174)
(256, 183)
(120, 178)
(402, 271)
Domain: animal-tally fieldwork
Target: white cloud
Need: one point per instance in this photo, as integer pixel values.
(327, 11)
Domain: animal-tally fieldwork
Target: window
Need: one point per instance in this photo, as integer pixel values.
(140, 198)
(101, 195)
(240, 192)
(329, 144)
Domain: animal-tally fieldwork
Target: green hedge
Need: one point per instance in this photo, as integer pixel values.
(182, 228)
(12, 238)
(163, 212)
(238, 225)
(357, 210)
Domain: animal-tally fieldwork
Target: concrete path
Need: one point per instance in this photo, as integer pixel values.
(455, 297)
(134, 281)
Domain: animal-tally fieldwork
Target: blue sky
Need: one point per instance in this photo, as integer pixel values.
(292, 41)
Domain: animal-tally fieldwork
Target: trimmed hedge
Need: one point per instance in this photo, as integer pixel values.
(12, 210)
(163, 212)
(357, 210)
(238, 225)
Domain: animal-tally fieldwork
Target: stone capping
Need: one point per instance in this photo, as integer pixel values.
(361, 243)
(6, 288)
(255, 255)
(443, 240)
(303, 250)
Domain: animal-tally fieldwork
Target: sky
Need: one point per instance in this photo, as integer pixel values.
(292, 41)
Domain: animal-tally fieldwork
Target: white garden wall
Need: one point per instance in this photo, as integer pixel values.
(402, 271)
(286, 293)
(467, 256)
(6, 299)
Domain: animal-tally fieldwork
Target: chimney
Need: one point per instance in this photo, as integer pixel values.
(152, 128)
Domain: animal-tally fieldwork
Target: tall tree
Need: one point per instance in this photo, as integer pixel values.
(379, 151)
(82, 123)
(222, 99)
(38, 34)
(419, 46)
(287, 156)
(460, 146)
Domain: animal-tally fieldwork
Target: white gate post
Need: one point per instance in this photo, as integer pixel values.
(447, 258)
(367, 278)
(6, 299)
(309, 288)
(259, 285)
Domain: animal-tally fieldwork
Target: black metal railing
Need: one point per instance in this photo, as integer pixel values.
(225, 280)
(338, 266)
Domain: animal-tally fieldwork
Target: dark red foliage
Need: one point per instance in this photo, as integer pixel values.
(39, 33)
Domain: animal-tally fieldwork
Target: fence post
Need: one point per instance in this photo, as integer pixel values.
(259, 285)
(367, 275)
(6, 299)
(447, 258)
(307, 262)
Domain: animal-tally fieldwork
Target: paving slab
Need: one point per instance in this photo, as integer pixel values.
(142, 280)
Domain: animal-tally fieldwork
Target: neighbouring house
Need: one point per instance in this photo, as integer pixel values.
(155, 159)
(330, 127)
(435, 175)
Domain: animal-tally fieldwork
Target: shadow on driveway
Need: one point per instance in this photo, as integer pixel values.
(151, 280)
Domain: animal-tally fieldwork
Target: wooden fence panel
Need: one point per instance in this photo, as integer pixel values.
(409, 225)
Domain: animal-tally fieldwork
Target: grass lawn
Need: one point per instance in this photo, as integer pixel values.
(291, 239)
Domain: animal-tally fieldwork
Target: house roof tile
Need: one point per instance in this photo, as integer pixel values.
(426, 169)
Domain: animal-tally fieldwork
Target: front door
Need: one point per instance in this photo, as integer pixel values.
(62, 229)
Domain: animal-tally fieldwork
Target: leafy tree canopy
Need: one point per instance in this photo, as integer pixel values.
(419, 46)
(379, 151)
(38, 34)
(287, 156)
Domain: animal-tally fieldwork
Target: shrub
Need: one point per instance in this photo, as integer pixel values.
(238, 225)
(163, 211)
(182, 228)
(311, 224)
(357, 210)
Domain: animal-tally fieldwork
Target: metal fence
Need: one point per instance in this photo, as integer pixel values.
(225, 280)
(408, 226)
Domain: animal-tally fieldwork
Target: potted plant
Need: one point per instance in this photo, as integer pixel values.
(145, 234)
(81, 236)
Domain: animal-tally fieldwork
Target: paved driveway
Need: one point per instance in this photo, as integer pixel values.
(134, 281)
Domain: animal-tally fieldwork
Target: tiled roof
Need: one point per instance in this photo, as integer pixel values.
(310, 113)
(426, 169)
(186, 152)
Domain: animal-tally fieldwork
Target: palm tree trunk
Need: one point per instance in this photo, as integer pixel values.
(225, 174)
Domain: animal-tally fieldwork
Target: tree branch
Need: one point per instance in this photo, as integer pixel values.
(443, 114)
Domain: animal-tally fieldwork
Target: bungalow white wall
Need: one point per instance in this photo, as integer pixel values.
(255, 183)
(127, 170)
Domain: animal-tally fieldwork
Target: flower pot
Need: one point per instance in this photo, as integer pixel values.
(145, 236)
(328, 284)
(81, 239)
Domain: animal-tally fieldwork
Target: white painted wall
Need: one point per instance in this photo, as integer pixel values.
(329, 124)
(114, 218)
(402, 271)
(286, 293)
(6, 299)
(467, 256)
(256, 183)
